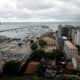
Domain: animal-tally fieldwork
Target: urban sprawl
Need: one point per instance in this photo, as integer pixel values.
(46, 55)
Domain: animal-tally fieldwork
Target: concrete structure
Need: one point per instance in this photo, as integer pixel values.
(73, 34)
(65, 30)
(59, 30)
(70, 49)
(61, 41)
(57, 40)
(76, 62)
(76, 36)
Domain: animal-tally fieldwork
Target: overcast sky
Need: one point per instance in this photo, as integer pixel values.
(40, 10)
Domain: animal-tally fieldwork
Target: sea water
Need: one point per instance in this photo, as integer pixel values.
(32, 27)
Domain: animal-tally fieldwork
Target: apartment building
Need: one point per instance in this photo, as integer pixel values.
(70, 49)
(76, 62)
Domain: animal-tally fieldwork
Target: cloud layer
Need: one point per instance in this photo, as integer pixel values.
(37, 10)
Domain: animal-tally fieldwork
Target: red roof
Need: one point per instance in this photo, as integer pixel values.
(77, 58)
(70, 67)
(70, 45)
(32, 66)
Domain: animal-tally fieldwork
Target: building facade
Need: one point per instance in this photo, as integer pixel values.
(70, 49)
(50, 41)
(65, 30)
(76, 62)
(73, 35)
(59, 30)
(77, 37)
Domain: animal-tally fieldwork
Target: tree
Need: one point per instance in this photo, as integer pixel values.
(40, 71)
(11, 68)
(50, 55)
(31, 41)
(37, 38)
(37, 55)
(19, 44)
(58, 54)
(34, 46)
(42, 43)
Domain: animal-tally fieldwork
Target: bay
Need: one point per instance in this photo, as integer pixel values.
(32, 27)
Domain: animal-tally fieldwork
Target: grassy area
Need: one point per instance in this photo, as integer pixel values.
(37, 78)
(16, 78)
(7, 78)
(68, 77)
(20, 78)
(75, 76)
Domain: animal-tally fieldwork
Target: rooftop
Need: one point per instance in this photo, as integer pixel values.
(77, 58)
(69, 44)
(64, 37)
(70, 67)
(32, 67)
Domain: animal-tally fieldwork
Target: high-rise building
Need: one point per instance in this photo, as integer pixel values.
(66, 31)
(76, 62)
(73, 35)
(76, 36)
(59, 30)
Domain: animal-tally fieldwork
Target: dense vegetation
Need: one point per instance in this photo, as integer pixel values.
(11, 68)
(31, 41)
(34, 46)
(37, 55)
(42, 43)
(67, 77)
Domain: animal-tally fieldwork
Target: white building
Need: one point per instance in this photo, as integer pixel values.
(59, 30)
(73, 35)
(70, 49)
(76, 62)
(77, 37)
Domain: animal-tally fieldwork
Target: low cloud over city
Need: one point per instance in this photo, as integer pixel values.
(40, 10)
